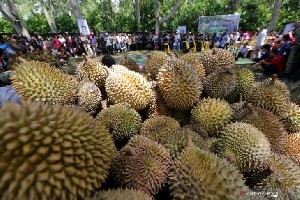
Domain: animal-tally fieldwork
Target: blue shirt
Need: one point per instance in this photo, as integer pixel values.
(7, 49)
(7, 93)
(284, 47)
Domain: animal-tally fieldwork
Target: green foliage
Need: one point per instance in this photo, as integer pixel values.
(37, 23)
(5, 26)
(65, 23)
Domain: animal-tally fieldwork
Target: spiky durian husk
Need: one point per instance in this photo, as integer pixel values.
(270, 125)
(129, 63)
(37, 81)
(122, 121)
(157, 105)
(51, 152)
(196, 63)
(128, 87)
(239, 110)
(249, 147)
(292, 120)
(92, 70)
(176, 141)
(155, 60)
(285, 178)
(142, 164)
(212, 114)
(89, 96)
(121, 194)
(271, 95)
(220, 83)
(179, 84)
(217, 58)
(158, 127)
(198, 174)
(245, 80)
(292, 146)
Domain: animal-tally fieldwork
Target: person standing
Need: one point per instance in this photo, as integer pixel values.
(6, 49)
(260, 40)
(177, 39)
(294, 48)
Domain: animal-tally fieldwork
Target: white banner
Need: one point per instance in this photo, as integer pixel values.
(218, 23)
(182, 29)
(83, 27)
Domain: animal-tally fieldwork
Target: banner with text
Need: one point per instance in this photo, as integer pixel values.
(83, 27)
(218, 23)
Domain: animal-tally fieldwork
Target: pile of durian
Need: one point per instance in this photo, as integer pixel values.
(39, 55)
(182, 128)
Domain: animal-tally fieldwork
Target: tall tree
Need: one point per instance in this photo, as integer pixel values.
(11, 14)
(158, 19)
(49, 14)
(137, 13)
(275, 14)
(233, 5)
(76, 9)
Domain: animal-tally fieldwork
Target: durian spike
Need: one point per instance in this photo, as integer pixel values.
(189, 141)
(22, 60)
(274, 76)
(84, 57)
(241, 98)
(130, 152)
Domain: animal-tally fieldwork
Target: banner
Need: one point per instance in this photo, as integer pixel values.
(83, 27)
(182, 29)
(218, 23)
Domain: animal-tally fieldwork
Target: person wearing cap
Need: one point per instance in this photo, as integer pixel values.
(260, 40)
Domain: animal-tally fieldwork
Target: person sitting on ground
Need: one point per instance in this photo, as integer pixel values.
(275, 66)
(3, 65)
(63, 56)
(108, 60)
(243, 51)
(265, 53)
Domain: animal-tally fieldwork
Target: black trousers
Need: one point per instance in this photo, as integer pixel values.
(269, 69)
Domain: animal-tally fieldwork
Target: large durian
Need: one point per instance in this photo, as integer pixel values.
(122, 121)
(179, 83)
(155, 60)
(269, 124)
(51, 152)
(198, 174)
(212, 114)
(89, 96)
(129, 63)
(292, 119)
(272, 95)
(220, 83)
(142, 164)
(249, 147)
(92, 70)
(37, 81)
(121, 194)
(157, 127)
(195, 63)
(217, 58)
(292, 146)
(128, 87)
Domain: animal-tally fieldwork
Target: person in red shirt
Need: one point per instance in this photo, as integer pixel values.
(274, 66)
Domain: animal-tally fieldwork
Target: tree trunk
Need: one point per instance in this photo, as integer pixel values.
(76, 9)
(275, 15)
(111, 13)
(49, 16)
(159, 20)
(137, 10)
(233, 5)
(11, 15)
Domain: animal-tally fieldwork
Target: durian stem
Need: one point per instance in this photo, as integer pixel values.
(189, 141)
(22, 60)
(251, 110)
(241, 98)
(130, 152)
(274, 76)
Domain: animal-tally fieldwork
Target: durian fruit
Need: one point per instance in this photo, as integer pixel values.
(158, 127)
(155, 60)
(122, 121)
(244, 82)
(198, 174)
(292, 120)
(176, 141)
(239, 109)
(89, 96)
(128, 87)
(249, 147)
(142, 164)
(157, 105)
(51, 152)
(37, 81)
(196, 63)
(179, 84)
(217, 58)
(212, 114)
(272, 95)
(220, 83)
(129, 63)
(270, 125)
(92, 70)
(121, 194)
(292, 146)
(285, 179)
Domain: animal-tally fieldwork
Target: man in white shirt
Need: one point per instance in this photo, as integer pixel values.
(260, 40)
(243, 51)
(177, 39)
